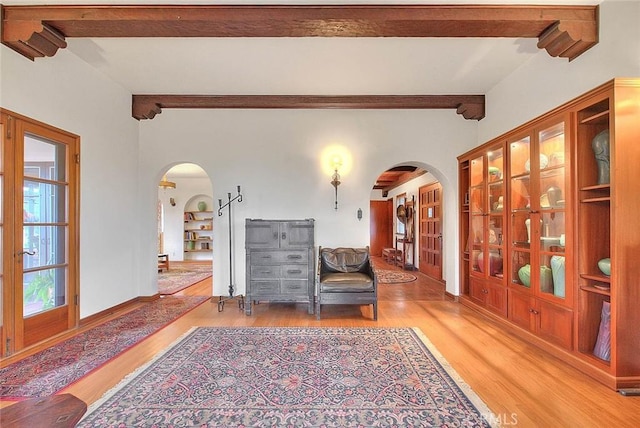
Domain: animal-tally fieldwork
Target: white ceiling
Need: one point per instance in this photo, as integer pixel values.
(305, 66)
(186, 170)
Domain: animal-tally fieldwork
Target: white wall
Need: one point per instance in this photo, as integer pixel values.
(65, 92)
(544, 82)
(275, 156)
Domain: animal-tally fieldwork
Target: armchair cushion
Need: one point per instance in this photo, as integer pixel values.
(346, 282)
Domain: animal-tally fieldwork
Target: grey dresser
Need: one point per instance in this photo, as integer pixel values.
(280, 261)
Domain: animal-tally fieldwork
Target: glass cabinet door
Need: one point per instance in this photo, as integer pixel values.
(487, 200)
(537, 211)
(551, 185)
(520, 211)
(495, 230)
(477, 210)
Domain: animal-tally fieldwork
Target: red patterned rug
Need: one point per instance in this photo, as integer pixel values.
(181, 276)
(59, 366)
(294, 377)
(386, 276)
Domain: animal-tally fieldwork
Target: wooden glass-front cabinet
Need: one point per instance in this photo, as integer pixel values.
(557, 200)
(486, 224)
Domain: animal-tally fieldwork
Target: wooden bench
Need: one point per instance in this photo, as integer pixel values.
(391, 255)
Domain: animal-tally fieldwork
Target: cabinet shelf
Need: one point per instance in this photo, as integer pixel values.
(599, 278)
(552, 171)
(595, 360)
(596, 200)
(596, 290)
(602, 116)
(597, 187)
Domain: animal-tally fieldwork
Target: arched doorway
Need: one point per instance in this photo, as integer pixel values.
(185, 227)
(406, 226)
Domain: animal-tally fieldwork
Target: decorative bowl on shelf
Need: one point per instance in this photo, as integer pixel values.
(544, 162)
(605, 266)
(524, 273)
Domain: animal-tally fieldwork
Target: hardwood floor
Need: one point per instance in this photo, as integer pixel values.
(523, 385)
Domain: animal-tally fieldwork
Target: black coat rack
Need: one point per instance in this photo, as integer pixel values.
(221, 301)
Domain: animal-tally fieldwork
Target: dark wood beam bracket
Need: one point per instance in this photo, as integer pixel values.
(469, 106)
(565, 31)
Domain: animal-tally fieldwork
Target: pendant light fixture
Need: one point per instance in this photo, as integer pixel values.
(165, 184)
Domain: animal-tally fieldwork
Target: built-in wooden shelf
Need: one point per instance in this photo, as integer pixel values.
(594, 200)
(595, 117)
(596, 290)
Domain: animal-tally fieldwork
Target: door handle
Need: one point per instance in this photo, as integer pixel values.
(31, 253)
(284, 235)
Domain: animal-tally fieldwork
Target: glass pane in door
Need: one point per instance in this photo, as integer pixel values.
(552, 206)
(44, 232)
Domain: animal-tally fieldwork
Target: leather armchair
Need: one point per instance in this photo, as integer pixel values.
(346, 277)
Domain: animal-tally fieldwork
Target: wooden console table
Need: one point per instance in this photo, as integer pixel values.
(407, 246)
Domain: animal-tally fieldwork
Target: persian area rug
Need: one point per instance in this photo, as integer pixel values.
(386, 276)
(59, 366)
(181, 276)
(266, 377)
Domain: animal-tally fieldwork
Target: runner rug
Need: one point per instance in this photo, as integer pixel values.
(265, 377)
(386, 276)
(181, 276)
(57, 367)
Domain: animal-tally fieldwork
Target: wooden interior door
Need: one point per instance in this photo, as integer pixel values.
(380, 226)
(40, 281)
(430, 230)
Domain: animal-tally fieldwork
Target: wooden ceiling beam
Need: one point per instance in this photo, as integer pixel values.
(402, 179)
(469, 106)
(565, 31)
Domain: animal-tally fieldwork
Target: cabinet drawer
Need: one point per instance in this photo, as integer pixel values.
(263, 287)
(265, 272)
(275, 257)
(294, 286)
(294, 271)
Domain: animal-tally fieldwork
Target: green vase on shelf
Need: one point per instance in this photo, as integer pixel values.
(202, 206)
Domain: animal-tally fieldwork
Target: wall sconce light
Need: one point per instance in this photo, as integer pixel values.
(172, 202)
(336, 163)
(359, 214)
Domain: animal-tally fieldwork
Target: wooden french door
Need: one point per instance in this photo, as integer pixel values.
(39, 231)
(430, 230)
